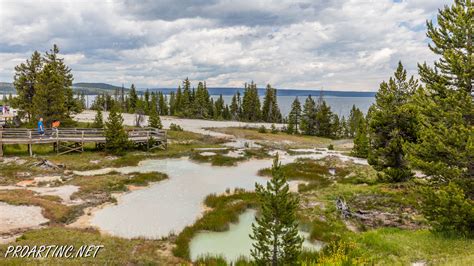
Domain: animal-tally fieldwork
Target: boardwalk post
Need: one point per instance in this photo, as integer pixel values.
(57, 140)
(30, 144)
(82, 141)
(148, 140)
(1, 145)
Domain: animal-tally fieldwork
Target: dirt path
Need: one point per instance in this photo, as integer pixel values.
(193, 125)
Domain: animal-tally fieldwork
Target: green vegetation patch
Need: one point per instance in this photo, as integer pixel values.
(115, 251)
(100, 187)
(225, 210)
(51, 206)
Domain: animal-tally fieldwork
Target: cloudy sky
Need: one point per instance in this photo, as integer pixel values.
(334, 44)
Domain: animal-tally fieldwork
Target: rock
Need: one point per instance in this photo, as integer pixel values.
(47, 164)
(23, 174)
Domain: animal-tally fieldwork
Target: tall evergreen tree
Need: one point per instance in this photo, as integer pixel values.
(219, 108)
(201, 102)
(344, 129)
(25, 82)
(146, 101)
(294, 118)
(353, 121)
(186, 98)
(172, 104)
(116, 138)
(270, 111)
(53, 84)
(235, 107)
(361, 140)
(324, 119)
(72, 104)
(275, 231)
(133, 99)
(392, 123)
(98, 120)
(154, 118)
(163, 105)
(251, 103)
(308, 119)
(444, 149)
(178, 107)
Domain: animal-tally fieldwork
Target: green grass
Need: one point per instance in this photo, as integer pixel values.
(225, 210)
(215, 160)
(116, 251)
(391, 246)
(220, 158)
(100, 187)
(51, 206)
(276, 140)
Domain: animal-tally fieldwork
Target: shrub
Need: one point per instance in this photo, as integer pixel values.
(262, 129)
(211, 260)
(340, 253)
(116, 138)
(175, 127)
(394, 175)
(273, 128)
(447, 209)
(330, 147)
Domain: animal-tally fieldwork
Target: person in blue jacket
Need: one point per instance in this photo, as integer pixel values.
(40, 126)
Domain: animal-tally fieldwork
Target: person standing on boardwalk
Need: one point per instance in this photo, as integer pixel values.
(40, 126)
(55, 125)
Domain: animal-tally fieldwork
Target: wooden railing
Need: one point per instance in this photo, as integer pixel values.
(75, 135)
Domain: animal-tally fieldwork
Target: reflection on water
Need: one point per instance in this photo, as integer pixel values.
(235, 242)
(172, 204)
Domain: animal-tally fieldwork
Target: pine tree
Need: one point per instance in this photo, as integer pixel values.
(235, 107)
(49, 99)
(270, 111)
(146, 100)
(201, 102)
(98, 120)
(324, 120)
(392, 123)
(186, 98)
(219, 108)
(133, 99)
(308, 118)
(178, 107)
(154, 120)
(353, 121)
(444, 149)
(172, 104)
(64, 72)
(294, 118)
(251, 103)
(361, 140)
(163, 106)
(335, 130)
(275, 231)
(344, 129)
(226, 113)
(25, 82)
(116, 138)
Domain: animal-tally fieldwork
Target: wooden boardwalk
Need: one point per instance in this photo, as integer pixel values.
(67, 140)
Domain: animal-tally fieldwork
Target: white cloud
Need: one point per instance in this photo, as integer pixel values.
(341, 45)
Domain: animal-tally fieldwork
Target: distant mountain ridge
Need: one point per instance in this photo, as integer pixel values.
(99, 88)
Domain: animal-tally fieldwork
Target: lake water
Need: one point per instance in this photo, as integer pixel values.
(170, 205)
(339, 105)
(235, 242)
